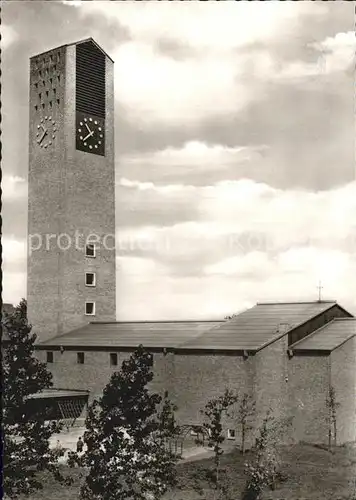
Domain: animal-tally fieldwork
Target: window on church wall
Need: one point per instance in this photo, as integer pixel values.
(231, 434)
(80, 358)
(90, 250)
(113, 359)
(49, 356)
(90, 308)
(90, 279)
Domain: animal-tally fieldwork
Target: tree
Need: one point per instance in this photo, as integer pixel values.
(126, 434)
(246, 411)
(332, 406)
(264, 470)
(26, 430)
(214, 412)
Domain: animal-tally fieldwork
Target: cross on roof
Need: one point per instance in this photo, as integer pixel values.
(320, 289)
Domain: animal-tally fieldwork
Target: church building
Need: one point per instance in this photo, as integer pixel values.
(286, 356)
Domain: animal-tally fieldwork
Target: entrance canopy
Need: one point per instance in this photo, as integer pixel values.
(65, 405)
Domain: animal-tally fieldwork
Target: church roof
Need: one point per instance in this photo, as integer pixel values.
(328, 337)
(90, 39)
(161, 334)
(260, 325)
(250, 330)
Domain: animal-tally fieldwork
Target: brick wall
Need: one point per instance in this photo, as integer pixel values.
(70, 192)
(96, 371)
(308, 386)
(271, 385)
(343, 379)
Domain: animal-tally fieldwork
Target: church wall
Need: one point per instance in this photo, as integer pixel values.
(308, 385)
(201, 377)
(95, 373)
(271, 380)
(343, 379)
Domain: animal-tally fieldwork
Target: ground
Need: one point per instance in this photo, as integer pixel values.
(313, 474)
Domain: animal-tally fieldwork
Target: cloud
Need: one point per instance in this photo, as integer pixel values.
(14, 253)
(13, 187)
(8, 36)
(210, 80)
(334, 54)
(14, 250)
(197, 154)
(220, 26)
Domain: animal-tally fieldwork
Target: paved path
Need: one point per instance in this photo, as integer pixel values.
(68, 440)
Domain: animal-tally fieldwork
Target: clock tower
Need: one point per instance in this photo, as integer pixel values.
(71, 205)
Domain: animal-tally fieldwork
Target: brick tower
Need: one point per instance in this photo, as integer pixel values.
(71, 200)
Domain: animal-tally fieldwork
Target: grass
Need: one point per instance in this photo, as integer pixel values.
(313, 474)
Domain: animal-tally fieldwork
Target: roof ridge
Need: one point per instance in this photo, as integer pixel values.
(298, 302)
(155, 322)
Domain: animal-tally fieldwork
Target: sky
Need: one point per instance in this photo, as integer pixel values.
(234, 141)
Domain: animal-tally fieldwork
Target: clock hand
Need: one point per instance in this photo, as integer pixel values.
(88, 128)
(89, 135)
(44, 135)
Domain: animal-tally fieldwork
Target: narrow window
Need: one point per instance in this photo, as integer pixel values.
(90, 250)
(90, 279)
(80, 358)
(231, 434)
(90, 308)
(49, 356)
(113, 359)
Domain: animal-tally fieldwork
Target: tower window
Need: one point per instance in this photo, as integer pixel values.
(47, 93)
(57, 101)
(49, 355)
(113, 359)
(90, 279)
(80, 358)
(36, 107)
(90, 250)
(43, 105)
(40, 95)
(36, 85)
(231, 434)
(90, 308)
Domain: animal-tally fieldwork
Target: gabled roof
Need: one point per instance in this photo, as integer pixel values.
(165, 334)
(251, 330)
(260, 325)
(328, 337)
(90, 39)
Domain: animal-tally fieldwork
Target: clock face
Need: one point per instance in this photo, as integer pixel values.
(90, 134)
(46, 132)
